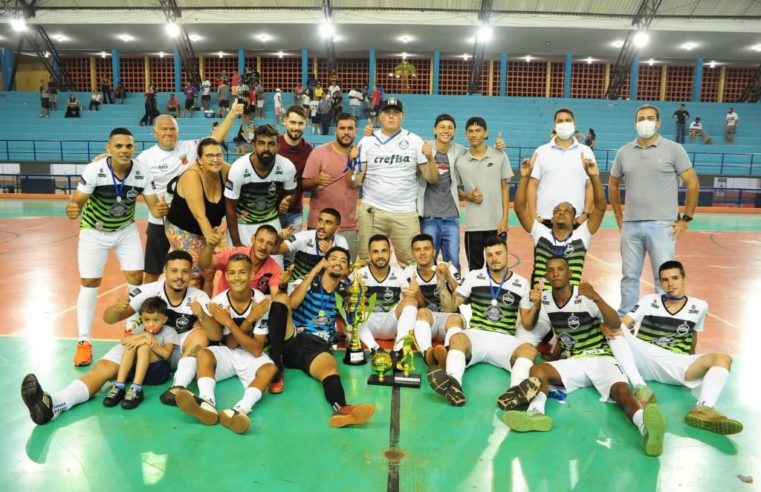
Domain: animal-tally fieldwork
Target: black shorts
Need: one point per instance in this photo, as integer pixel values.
(206, 97)
(300, 351)
(224, 103)
(158, 372)
(189, 104)
(156, 248)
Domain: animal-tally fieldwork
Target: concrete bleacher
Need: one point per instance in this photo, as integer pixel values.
(525, 123)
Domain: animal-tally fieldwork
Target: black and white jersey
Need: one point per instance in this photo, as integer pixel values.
(257, 195)
(387, 290)
(494, 305)
(429, 288)
(306, 247)
(181, 317)
(675, 331)
(576, 324)
(260, 327)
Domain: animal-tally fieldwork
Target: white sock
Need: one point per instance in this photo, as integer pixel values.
(131, 323)
(713, 383)
(623, 354)
(520, 370)
(250, 397)
(405, 325)
(456, 364)
(423, 335)
(206, 389)
(86, 302)
(450, 333)
(639, 421)
(367, 337)
(70, 396)
(537, 404)
(186, 371)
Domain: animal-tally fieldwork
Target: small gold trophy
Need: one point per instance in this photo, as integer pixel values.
(356, 311)
(381, 364)
(403, 375)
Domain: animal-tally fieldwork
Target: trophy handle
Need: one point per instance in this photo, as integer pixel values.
(340, 307)
(371, 303)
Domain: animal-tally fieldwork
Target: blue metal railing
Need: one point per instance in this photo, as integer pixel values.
(82, 151)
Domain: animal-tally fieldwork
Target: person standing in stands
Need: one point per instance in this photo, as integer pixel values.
(105, 88)
(730, 126)
(681, 116)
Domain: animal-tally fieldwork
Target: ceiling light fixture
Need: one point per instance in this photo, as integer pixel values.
(405, 38)
(712, 64)
(126, 37)
(172, 29)
(484, 34)
(528, 58)
(264, 37)
(280, 54)
(651, 62)
(619, 43)
(59, 37)
(18, 24)
(162, 54)
(466, 57)
(640, 39)
(689, 46)
(327, 30)
(756, 47)
(590, 60)
(221, 54)
(195, 37)
(103, 54)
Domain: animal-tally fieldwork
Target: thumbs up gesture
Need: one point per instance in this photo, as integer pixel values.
(354, 152)
(442, 269)
(236, 109)
(284, 204)
(427, 150)
(323, 179)
(413, 287)
(527, 166)
(590, 166)
(72, 209)
(162, 207)
(476, 196)
(368, 129)
(535, 295)
(499, 144)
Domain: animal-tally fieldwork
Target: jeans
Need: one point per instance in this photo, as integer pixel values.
(296, 219)
(637, 238)
(681, 130)
(356, 111)
(446, 237)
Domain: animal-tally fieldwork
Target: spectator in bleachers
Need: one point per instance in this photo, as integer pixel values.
(730, 126)
(590, 139)
(355, 102)
(206, 95)
(336, 105)
(324, 111)
(242, 92)
(223, 99)
(173, 106)
(260, 99)
(151, 109)
(105, 89)
(681, 116)
(298, 94)
(245, 136)
(119, 93)
(318, 91)
(44, 99)
(377, 100)
(53, 92)
(696, 130)
(190, 100)
(73, 107)
(278, 100)
(333, 88)
(96, 98)
(650, 167)
(314, 114)
(558, 173)
(150, 90)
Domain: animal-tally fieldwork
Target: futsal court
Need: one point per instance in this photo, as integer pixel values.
(415, 441)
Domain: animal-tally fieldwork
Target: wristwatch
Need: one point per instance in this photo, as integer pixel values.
(686, 218)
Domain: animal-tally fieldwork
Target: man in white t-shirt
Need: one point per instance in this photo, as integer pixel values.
(696, 130)
(355, 103)
(389, 163)
(206, 95)
(558, 174)
(730, 126)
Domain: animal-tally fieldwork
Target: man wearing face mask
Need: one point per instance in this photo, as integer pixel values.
(558, 174)
(259, 185)
(650, 167)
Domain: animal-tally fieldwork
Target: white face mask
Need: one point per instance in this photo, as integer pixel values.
(646, 128)
(565, 130)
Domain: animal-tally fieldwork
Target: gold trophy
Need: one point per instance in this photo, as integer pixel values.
(356, 311)
(381, 362)
(403, 375)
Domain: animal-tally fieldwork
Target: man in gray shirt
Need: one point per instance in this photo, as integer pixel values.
(649, 167)
(483, 173)
(223, 99)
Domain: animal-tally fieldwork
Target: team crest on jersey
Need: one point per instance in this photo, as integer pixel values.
(573, 321)
(404, 145)
(516, 283)
(508, 298)
(577, 300)
(101, 173)
(634, 309)
(567, 340)
(260, 203)
(184, 159)
(246, 173)
(683, 329)
(138, 174)
(490, 164)
(310, 243)
(457, 277)
(494, 313)
(182, 322)
(388, 294)
(480, 276)
(132, 194)
(272, 189)
(278, 170)
(228, 184)
(392, 276)
(664, 341)
(569, 249)
(134, 292)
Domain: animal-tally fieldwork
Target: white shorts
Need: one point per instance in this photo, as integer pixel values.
(260, 103)
(383, 325)
(237, 362)
(491, 347)
(116, 353)
(659, 364)
(439, 326)
(600, 372)
(94, 246)
(246, 231)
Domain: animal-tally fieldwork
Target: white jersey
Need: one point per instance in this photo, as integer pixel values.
(181, 317)
(576, 324)
(206, 88)
(278, 98)
(574, 248)
(258, 195)
(494, 305)
(673, 332)
(387, 290)
(391, 170)
(260, 327)
(165, 165)
(306, 247)
(429, 288)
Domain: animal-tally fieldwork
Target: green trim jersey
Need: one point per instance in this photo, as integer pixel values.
(104, 210)
(574, 248)
(387, 290)
(180, 316)
(576, 325)
(306, 247)
(674, 332)
(495, 307)
(430, 288)
(257, 195)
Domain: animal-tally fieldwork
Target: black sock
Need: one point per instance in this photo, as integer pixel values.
(278, 319)
(334, 391)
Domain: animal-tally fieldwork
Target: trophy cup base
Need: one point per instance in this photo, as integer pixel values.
(355, 358)
(398, 379)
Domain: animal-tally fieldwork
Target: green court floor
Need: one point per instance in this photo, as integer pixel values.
(290, 446)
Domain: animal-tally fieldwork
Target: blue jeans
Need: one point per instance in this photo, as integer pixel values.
(681, 130)
(637, 238)
(446, 237)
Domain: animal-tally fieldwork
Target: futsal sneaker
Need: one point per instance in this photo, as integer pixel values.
(132, 399)
(351, 415)
(655, 428)
(644, 395)
(519, 395)
(531, 421)
(38, 402)
(455, 395)
(438, 379)
(83, 355)
(277, 386)
(197, 407)
(114, 396)
(234, 420)
(169, 396)
(712, 420)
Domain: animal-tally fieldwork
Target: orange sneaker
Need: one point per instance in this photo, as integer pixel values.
(277, 387)
(83, 355)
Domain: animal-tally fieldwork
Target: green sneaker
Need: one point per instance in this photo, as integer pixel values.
(644, 395)
(655, 429)
(531, 421)
(710, 419)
